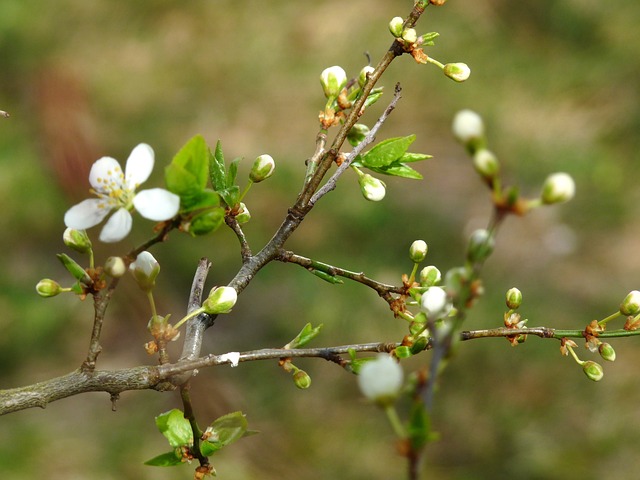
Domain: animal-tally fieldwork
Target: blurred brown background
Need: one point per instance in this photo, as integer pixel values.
(558, 85)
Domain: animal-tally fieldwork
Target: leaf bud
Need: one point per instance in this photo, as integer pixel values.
(301, 379)
(333, 80)
(380, 379)
(593, 370)
(558, 188)
(430, 276)
(357, 134)
(514, 298)
(418, 251)
(486, 163)
(145, 269)
(244, 215)
(409, 35)
(262, 169)
(364, 75)
(48, 288)
(115, 267)
(468, 128)
(607, 352)
(480, 246)
(395, 26)
(457, 71)
(434, 302)
(372, 188)
(220, 300)
(631, 304)
(77, 240)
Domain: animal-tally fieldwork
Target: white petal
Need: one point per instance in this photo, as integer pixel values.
(139, 165)
(105, 171)
(157, 204)
(117, 227)
(85, 214)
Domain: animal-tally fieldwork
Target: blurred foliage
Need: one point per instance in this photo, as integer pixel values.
(557, 84)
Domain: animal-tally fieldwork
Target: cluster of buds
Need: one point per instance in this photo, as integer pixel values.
(414, 44)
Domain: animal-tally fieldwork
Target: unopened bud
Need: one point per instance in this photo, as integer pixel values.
(380, 379)
(434, 303)
(457, 71)
(357, 134)
(430, 276)
(514, 298)
(77, 240)
(364, 75)
(262, 169)
(302, 379)
(468, 128)
(372, 189)
(395, 26)
(220, 300)
(558, 188)
(115, 267)
(243, 215)
(480, 246)
(593, 370)
(48, 288)
(486, 163)
(607, 352)
(631, 304)
(409, 35)
(418, 251)
(333, 80)
(145, 270)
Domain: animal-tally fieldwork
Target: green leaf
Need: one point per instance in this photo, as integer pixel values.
(205, 199)
(74, 269)
(226, 429)
(175, 428)
(168, 459)
(187, 172)
(327, 277)
(419, 427)
(414, 157)
(217, 169)
(403, 351)
(387, 151)
(398, 169)
(230, 195)
(232, 173)
(307, 334)
(207, 222)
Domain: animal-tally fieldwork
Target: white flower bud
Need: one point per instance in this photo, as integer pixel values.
(395, 26)
(457, 71)
(410, 35)
(486, 163)
(430, 276)
(558, 188)
(631, 303)
(468, 126)
(372, 188)
(364, 75)
(380, 379)
(418, 251)
(220, 300)
(333, 80)
(262, 169)
(434, 303)
(145, 270)
(115, 267)
(77, 240)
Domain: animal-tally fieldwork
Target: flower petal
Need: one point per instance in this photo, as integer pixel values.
(156, 204)
(104, 172)
(85, 214)
(139, 166)
(117, 227)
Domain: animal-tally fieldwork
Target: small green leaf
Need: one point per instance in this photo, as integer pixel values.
(168, 459)
(326, 277)
(419, 427)
(398, 169)
(387, 151)
(189, 166)
(74, 269)
(230, 195)
(175, 428)
(403, 351)
(217, 169)
(206, 222)
(227, 429)
(232, 173)
(414, 157)
(307, 334)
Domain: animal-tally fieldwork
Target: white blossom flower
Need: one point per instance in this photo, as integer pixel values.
(380, 379)
(116, 191)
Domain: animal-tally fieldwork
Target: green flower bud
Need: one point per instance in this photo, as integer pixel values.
(486, 163)
(220, 300)
(395, 26)
(262, 169)
(607, 352)
(145, 270)
(418, 251)
(77, 240)
(115, 267)
(480, 246)
(333, 80)
(244, 215)
(457, 71)
(302, 379)
(514, 298)
(631, 304)
(558, 188)
(593, 370)
(48, 288)
(380, 380)
(364, 75)
(430, 276)
(357, 134)
(468, 128)
(410, 35)
(372, 189)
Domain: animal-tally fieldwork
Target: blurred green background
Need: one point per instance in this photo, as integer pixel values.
(558, 85)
